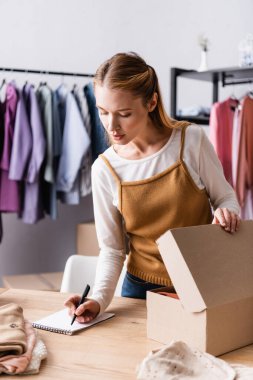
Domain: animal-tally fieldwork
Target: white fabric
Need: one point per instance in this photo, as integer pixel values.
(242, 372)
(85, 178)
(247, 208)
(39, 353)
(179, 361)
(204, 168)
(75, 143)
(235, 144)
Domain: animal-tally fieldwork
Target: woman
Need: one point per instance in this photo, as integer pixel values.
(158, 174)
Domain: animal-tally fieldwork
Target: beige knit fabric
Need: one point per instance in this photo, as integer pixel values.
(21, 350)
(178, 361)
(15, 364)
(12, 330)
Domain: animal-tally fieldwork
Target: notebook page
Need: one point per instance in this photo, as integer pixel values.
(61, 322)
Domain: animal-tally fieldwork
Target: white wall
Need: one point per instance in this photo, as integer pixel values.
(77, 35)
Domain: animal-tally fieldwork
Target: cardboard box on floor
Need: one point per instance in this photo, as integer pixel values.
(212, 272)
(86, 240)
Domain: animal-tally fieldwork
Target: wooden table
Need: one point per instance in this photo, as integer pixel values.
(108, 351)
(38, 281)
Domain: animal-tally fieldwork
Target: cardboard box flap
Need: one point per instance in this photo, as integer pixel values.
(208, 266)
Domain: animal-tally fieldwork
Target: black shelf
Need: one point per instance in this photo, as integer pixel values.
(226, 76)
(194, 119)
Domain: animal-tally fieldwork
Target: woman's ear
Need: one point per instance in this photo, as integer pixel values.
(153, 102)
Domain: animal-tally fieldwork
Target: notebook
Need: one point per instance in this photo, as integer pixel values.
(59, 322)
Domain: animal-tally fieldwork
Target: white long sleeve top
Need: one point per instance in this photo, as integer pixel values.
(204, 168)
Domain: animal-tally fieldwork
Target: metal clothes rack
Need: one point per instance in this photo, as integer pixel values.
(227, 77)
(46, 72)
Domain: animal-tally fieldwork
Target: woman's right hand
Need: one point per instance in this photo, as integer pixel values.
(85, 312)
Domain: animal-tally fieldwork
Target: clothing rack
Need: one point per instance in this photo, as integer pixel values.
(46, 72)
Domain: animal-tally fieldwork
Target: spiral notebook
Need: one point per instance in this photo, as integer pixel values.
(59, 322)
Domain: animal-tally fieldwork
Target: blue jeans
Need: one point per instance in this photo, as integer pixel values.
(135, 287)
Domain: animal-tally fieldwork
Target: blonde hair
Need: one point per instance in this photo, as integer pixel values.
(128, 71)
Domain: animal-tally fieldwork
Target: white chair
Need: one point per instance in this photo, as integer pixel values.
(80, 270)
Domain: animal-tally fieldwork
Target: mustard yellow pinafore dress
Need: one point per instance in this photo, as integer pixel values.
(154, 205)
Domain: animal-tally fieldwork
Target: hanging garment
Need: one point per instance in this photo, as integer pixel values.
(247, 208)
(221, 129)
(57, 146)
(22, 142)
(75, 145)
(1, 228)
(9, 188)
(98, 136)
(44, 95)
(1, 149)
(141, 200)
(236, 143)
(57, 132)
(45, 100)
(2, 114)
(244, 181)
(85, 175)
(32, 210)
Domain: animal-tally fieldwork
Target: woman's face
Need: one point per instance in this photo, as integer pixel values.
(124, 116)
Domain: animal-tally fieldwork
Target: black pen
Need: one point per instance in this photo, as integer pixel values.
(85, 293)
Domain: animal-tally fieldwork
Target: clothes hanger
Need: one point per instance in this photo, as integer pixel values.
(41, 82)
(250, 91)
(232, 95)
(234, 99)
(3, 89)
(26, 80)
(63, 80)
(75, 85)
(62, 83)
(4, 80)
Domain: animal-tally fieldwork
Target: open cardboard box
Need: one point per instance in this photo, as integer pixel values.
(212, 272)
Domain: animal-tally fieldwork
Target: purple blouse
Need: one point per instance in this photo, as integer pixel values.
(9, 189)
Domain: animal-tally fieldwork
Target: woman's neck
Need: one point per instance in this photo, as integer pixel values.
(144, 146)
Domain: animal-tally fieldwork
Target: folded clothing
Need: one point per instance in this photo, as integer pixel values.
(12, 330)
(179, 361)
(171, 295)
(13, 364)
(21, 350)
(194, 111)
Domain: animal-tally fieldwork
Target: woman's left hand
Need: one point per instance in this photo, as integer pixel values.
(227, 219)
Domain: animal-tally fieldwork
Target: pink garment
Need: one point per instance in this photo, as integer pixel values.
(244, 182)
(236, 144)
(13, 364)
(247, 208)
(221, 128)
(9, 189)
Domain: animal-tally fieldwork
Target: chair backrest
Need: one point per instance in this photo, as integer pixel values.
(80, 270)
